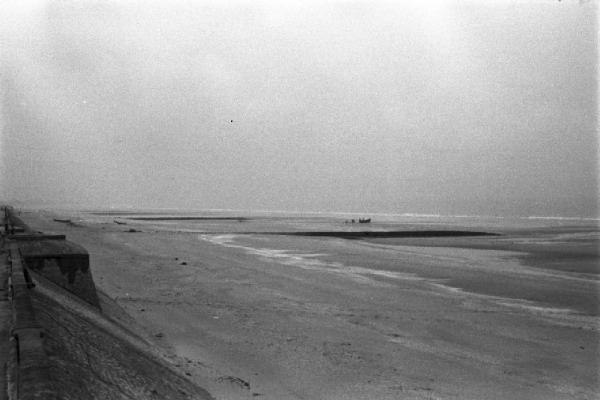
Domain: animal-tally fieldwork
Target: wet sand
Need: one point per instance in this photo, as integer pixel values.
(289, 317)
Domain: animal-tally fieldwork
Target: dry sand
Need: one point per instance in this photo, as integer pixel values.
(344, 319)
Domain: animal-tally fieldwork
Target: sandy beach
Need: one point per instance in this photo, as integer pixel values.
(268, 316)
(292, 200)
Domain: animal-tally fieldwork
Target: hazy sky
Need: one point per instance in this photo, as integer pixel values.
(452, 107)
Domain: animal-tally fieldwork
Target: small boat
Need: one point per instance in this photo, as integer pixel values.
(64, 221)
(119, 222)
(364, 220)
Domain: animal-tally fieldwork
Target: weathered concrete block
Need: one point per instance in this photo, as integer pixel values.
(64, 263)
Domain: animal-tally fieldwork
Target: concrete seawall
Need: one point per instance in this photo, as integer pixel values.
(62, 262)
(28, 367)
(54, 257)
(55, 341)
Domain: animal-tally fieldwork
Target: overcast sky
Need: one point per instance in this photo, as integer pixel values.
(449, 107)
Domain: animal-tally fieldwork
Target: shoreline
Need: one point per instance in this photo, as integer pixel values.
(303, 329)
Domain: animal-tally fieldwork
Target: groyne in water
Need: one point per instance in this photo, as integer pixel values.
(390, 234)
(55, 340)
